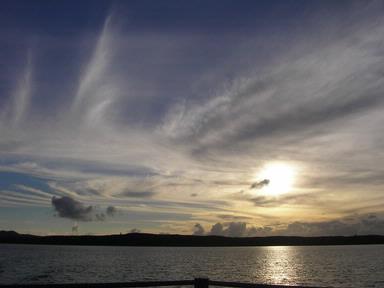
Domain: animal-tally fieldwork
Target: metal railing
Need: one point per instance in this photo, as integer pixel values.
(197, 283)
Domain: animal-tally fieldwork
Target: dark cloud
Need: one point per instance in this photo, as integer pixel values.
(268, 201)
(265, 201)
(135, 230)
(233, 217)
(67, 207)
(260, 184)
(138, 194)
(111, 211)
(229, 183)
(198, 229)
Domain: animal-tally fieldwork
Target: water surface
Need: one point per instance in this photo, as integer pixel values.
(339, 266)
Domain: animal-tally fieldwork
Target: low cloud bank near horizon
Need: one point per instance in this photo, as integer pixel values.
(364, 225)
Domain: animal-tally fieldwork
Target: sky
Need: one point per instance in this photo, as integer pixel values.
(234, 118)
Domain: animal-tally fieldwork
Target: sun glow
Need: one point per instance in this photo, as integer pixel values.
(277, 178)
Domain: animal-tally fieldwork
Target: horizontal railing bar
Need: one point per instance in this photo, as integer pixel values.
(253, 285)
(109, 285)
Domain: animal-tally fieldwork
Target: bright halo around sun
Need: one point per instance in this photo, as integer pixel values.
(276, 178)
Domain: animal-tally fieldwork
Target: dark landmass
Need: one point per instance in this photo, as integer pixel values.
(144, 239)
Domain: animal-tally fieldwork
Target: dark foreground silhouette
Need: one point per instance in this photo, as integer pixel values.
(196, 283)
(144, 239)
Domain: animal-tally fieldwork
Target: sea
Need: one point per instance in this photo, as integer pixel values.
(324, 266)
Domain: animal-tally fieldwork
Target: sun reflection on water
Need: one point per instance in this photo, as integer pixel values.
(279, 267)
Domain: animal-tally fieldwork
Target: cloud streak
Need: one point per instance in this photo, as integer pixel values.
(23, 93)
(138, 194)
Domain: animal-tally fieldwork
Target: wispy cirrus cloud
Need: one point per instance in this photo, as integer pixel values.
(168, 120)
(138, 194)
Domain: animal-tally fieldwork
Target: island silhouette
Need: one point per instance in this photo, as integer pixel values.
(146, 239)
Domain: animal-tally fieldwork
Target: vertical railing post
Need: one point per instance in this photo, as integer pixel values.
(201, 282)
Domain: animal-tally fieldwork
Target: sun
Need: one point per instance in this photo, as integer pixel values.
(276, 178)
